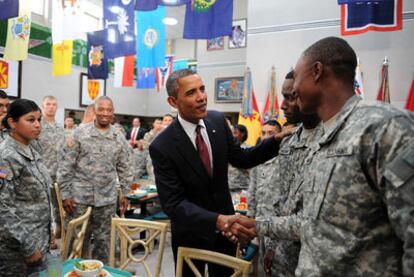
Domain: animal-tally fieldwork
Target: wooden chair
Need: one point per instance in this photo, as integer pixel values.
(62, 213)
(128, 231)
(241, 267)
(75, 233)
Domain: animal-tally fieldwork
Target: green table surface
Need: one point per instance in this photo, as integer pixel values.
(68, 266)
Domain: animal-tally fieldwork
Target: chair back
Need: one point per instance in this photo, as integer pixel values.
(128, 232)
(241, 267)
(75, 235)
(62, 212)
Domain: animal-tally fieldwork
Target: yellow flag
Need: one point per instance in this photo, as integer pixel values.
(62, 58)
(18, 34)
(249, 115)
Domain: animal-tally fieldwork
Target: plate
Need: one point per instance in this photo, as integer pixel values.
(104, 271)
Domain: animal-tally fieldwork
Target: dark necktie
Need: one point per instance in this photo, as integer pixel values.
(203, 150)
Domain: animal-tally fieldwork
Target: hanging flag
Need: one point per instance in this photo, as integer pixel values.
(271, 108)
(4, 74)
(124, 71)
(151, 38)
(410, 99)
(363, 16)
(67, 20)
(146, 78)
(358, 85)
(180, 64)
(249, 115)
(384, 90)
(62, 58)
(208, 19)
(150, 5)
(97, 61)
(120, 26)
(163, 72)
(18, 34)
(9, 9)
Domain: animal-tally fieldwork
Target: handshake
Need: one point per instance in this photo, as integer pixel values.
(237, 227)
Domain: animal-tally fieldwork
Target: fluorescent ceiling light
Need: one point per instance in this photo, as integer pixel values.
(170, 21)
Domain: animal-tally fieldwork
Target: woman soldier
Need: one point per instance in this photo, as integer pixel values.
(25, 215)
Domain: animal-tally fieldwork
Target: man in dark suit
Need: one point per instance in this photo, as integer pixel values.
(136, 133)
(190, 161)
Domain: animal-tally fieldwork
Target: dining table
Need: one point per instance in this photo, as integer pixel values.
(69, 265)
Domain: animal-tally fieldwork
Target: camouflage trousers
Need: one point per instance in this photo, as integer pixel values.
(12, 262)
(55, 207)
(99, 227)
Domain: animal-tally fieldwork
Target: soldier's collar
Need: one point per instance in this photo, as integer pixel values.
(345, 112)
(22, 149)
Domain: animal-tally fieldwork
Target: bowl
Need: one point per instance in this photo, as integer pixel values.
(92, 268)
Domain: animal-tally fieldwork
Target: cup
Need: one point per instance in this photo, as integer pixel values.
(54, 266)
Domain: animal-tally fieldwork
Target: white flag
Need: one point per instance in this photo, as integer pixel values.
(358, 86)
(67, 18)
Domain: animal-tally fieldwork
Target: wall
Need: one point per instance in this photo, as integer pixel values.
(280, 30)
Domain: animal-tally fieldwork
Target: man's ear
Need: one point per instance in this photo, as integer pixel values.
(317, 70)
(172, 101)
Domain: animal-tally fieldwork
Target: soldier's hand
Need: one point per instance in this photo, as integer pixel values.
(123, 205)
(267, 263)
(69, 205)
(35, 259)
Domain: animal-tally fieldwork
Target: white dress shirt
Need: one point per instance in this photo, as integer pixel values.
(190, 130)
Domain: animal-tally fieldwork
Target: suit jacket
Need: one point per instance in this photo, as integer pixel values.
(189, 196)
(140, 134)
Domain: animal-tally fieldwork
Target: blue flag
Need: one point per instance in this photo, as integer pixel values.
(150, 5)
(151, 38)
(146, 77)
(120, 26)
(9, 9)
(209, 20)
(362, 16)
(97, 60)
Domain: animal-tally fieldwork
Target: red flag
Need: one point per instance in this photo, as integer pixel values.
(384, 90)
(410, 100)
(124, 71)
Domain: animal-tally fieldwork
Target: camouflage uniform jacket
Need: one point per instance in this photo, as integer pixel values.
(238, 178)
(148, 138)
(25, 215)
(51, 140)
(358, 200)
(280, 217)
(92, 164)
(4, 133)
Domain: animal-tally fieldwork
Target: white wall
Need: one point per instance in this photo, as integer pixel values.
(271, 43)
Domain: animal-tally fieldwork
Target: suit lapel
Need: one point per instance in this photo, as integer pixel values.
(188, 151)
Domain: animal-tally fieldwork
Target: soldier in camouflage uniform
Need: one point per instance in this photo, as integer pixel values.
(358, 194)
(25, 216)
(146, 141)
(280, 218)
(238, 178)
(51, 141)
(4, 104)
(94, 160)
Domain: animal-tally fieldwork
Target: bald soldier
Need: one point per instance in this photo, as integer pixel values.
(93, 161)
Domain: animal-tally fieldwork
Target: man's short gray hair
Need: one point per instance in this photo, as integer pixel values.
(172, 82)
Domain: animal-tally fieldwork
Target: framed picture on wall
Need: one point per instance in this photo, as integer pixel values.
(238, 38)
(10, 77)
(228, 90)
(90, 90)
(215, 44)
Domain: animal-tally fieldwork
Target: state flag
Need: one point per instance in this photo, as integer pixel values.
(9, 9)
(120, 26)
(18, 34)
(124, 71)
(146, 78)
(163, 72)
(67, 20)
(62, 58)
(208, 19)
(97, 61)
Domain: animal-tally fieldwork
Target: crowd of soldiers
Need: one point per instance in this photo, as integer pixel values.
(337, 200)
